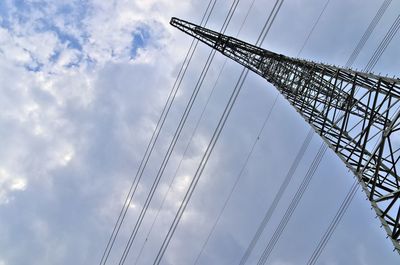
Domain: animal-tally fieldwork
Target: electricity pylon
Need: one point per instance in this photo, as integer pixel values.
(356, 114)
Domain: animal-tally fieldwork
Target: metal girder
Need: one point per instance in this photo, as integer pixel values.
(356, 113)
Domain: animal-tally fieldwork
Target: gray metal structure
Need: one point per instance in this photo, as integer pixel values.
(356, 114)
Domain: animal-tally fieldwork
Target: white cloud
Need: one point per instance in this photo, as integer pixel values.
(18, 184)
(72, 94)
(10, 183)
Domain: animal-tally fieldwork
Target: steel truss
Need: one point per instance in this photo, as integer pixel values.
(356, 113)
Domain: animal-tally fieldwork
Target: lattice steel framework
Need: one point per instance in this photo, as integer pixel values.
(356, 114)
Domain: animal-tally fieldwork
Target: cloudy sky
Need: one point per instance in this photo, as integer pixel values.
(82, 85)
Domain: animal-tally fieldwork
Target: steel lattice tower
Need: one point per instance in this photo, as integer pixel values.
(356, 114)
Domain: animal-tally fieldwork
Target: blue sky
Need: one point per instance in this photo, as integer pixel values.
(83, 84)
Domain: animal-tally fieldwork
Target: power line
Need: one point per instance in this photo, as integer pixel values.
(174, 141)
(313, 28)
(270, 21)
(289, 175)
(383, 44)
(210, 147)
(166, 160)
(335, 221)
(277, 198)
(368, 32)
(293, 205)
(190, 141)
(199, 171)
(153, 139)
(249, 155)
(179, 165)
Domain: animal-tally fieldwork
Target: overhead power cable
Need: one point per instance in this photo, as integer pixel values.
(189, 143)
(165, 161)
(335, 221)
(198, 173)
(277, 198)
(174, 141)
(383, 45)
(290, 173)
(154, 137)
(293, 205)
(212, 143)
(178, 167)
(313, 28)
(244, 166)
(367, 33)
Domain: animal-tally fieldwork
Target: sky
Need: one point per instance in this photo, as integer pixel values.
(83, 84)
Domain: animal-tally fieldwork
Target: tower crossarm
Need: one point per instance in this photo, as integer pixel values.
(356, 114)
